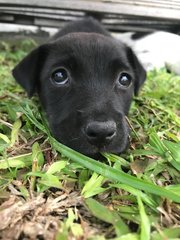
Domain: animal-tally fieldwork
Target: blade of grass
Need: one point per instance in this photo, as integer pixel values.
(28, 112)
(168, 233)
(115, 158)
(110, 216)
(93, 186)
(174, 149)
(56, 167)
(156, 143)
(129, 236)
(15, 131)
(20, 161)
(145, 223)
(37, 162)
(4, 138)
(113, 174)
(146, 199)
(48, 180)
(37, 155)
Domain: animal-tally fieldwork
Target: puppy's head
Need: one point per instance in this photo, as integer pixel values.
(85, 82)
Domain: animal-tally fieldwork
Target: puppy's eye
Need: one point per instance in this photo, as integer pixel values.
(124, 80)
(60, 76)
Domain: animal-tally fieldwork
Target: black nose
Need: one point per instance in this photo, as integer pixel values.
(100, 133)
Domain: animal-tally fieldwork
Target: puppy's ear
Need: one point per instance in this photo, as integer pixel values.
(27, 72)
(140, 73)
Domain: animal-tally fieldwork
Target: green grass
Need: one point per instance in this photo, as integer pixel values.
(62, 194)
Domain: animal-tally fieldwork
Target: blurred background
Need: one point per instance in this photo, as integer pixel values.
(41, 18)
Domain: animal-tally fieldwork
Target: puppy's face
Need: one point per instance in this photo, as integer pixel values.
(85, 82)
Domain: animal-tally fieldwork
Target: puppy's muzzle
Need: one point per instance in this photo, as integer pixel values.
(100, 133)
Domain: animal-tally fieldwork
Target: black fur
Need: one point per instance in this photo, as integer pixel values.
(88, 113)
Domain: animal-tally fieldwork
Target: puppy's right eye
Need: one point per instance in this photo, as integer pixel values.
(60, 76)
(124, 80)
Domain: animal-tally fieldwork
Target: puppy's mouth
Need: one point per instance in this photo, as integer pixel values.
(83, 146)
(94, 138)
(91, 150)
(111, 149)
(97, 153)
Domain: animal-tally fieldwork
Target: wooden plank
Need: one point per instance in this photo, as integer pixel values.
(99, 7)
(42, 15)
(130, 28)
(48, 23)
(41, 10)
(142, 20)
(162, 2)
(24, 21)
(6, 18)
(149, 3)
(149, 24)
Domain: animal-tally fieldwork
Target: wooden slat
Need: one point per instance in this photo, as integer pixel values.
(142, 20)
(149, 3)
(116, 15)
(99, 7)
(6, 18)
(42, 15)
(35, 10)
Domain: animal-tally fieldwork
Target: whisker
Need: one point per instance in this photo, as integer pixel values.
(73, 139)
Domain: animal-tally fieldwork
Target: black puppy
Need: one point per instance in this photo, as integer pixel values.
(85, 80)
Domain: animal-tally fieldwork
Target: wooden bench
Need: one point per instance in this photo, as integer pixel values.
(116, 15)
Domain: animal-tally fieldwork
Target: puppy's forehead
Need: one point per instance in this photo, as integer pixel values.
(92, 45)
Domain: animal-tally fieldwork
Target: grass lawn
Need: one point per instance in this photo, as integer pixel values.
(48, 191)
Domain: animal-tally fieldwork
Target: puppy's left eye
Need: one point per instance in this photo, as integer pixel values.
(124, 80)
(60, 76)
